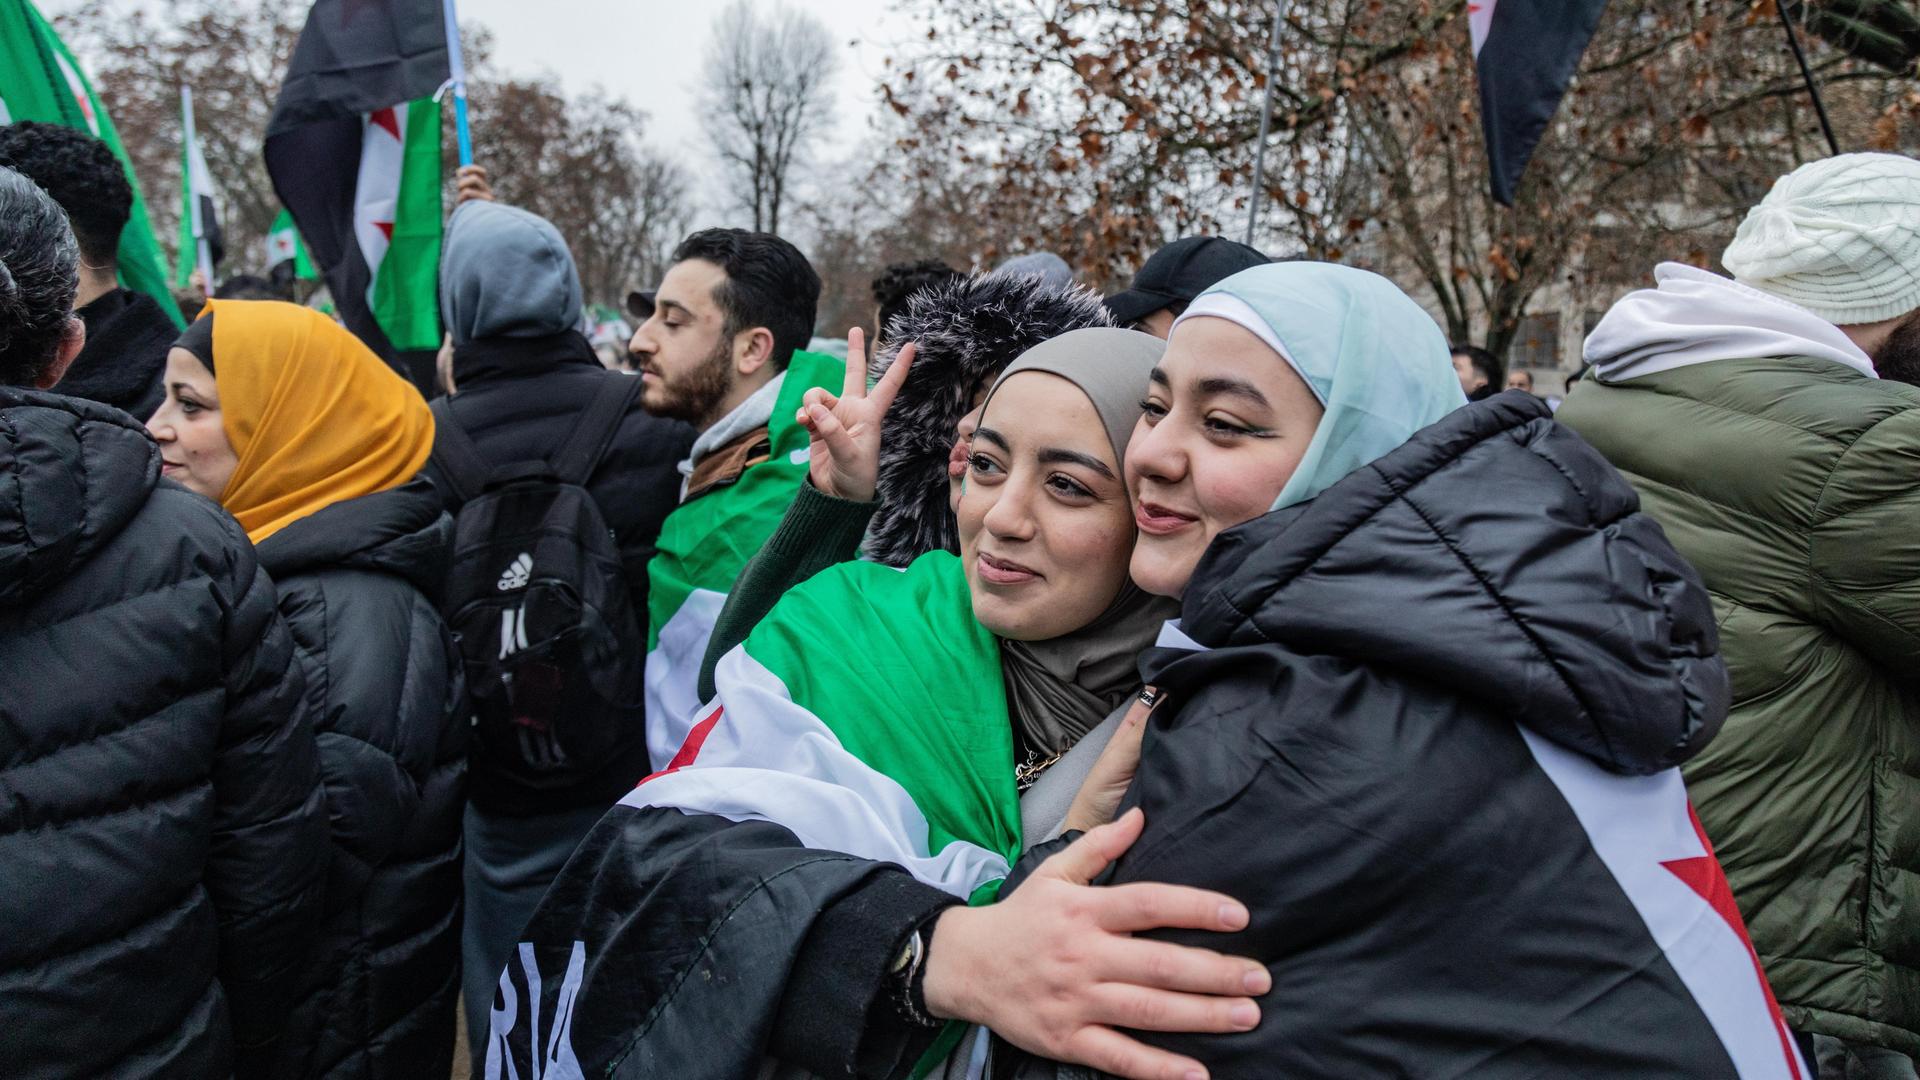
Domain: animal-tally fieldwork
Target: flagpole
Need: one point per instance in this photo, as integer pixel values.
(457, 73)
(1266, 119)
(1800, 57)
(203, 251)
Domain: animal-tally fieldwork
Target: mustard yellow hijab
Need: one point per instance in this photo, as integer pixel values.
(313, 415)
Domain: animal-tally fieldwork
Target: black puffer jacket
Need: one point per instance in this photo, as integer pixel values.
(1422, 690)
(519, 399)
(383, 679)
(162, 829)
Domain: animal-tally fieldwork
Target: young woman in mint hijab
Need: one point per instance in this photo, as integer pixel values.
(747, 902)
(1424, 706)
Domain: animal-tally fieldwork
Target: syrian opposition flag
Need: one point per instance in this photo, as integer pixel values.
(354, 151)
(1525, 52)
(865, 715)
(201, 245)
(40, 80)
(1646, 832)
(704, 545)
(286, 253)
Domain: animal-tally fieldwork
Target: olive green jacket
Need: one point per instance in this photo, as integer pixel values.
(1793, 484)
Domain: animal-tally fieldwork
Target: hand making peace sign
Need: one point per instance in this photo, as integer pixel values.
(844, 448)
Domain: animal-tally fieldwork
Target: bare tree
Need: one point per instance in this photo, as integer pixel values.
(234, 56)
(1105, 129)
(581, 163)
(769, 89)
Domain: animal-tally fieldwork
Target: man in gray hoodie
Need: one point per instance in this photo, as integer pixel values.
(525, 374)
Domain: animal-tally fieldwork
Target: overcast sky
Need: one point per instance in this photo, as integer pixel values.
(650, 53)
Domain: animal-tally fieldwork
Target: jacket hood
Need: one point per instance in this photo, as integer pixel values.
(73, 473)
(1692, 316)
(1499, 556)
(967, 330)
(506, 273)
(402, 531)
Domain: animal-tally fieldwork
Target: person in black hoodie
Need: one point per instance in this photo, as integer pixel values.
(525, 375)
(127, 332)
(163, 835)
(316, 447)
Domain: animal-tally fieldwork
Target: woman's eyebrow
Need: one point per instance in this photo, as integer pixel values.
(1239, 388)
(1160, 377)
(1055, 456)
(993, 437)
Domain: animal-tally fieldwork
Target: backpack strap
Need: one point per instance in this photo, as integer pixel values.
(594, 431)
(460, 461)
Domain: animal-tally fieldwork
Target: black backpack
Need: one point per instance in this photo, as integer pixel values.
(537, 597)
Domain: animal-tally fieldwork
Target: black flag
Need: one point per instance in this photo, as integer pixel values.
(342, 123)
(1525, 52)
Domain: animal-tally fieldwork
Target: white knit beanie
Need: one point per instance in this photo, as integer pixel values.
(1839, 237)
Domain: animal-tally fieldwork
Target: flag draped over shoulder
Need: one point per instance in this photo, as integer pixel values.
(1525, 53)
(41, 80)
(865, 715)
(354, 151)
(704, 545)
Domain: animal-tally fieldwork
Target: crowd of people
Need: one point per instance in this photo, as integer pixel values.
(1225, 677)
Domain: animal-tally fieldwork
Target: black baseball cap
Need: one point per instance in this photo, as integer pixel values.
(1179, 272)
(640, 303)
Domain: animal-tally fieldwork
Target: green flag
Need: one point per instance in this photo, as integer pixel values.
(41, 80)
(406, 279)
(704, 545)
(284, 244)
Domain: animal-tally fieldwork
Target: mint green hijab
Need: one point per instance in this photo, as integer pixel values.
(1376, 361)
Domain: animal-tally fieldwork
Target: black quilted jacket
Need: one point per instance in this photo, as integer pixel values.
(162, 828)
(383, 685)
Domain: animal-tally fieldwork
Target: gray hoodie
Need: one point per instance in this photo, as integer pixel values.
(506, 273)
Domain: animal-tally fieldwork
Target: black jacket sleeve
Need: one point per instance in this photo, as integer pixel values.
(839, 1015)
(817, 531)
(268, 856)
(691, 946)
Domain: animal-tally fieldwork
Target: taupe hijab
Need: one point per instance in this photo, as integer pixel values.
(1059, 689)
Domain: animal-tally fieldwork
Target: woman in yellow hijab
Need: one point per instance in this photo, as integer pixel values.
(295, 415)
(316, 446)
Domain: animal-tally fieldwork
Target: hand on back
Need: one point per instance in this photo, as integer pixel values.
(1054, 968)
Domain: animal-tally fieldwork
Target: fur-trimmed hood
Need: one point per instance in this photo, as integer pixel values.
(968, 331)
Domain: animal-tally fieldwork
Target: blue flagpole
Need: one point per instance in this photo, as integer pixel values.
(457, 73)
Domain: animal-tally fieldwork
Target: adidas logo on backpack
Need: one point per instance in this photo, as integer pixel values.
(517, 573)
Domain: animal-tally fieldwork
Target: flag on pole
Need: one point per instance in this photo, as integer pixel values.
(354, 152)
(285, 246)
(41, 80)
(201, 245)
(1525, 53)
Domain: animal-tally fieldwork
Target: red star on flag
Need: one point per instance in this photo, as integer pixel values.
(1703, 875)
